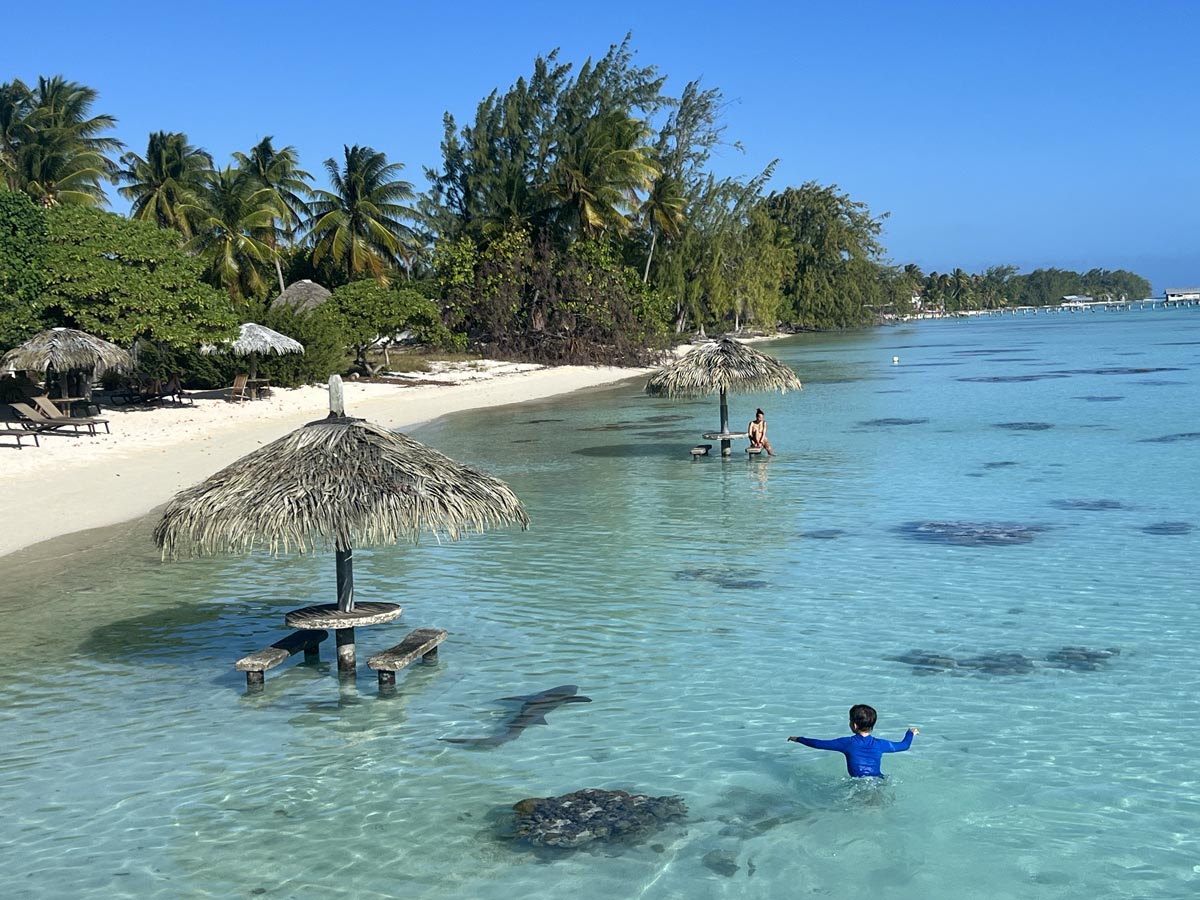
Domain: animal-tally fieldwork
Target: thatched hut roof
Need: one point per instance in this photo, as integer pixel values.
(64, 349)
(260, 339)
(722, 365)
(341, 482)
(302, 296)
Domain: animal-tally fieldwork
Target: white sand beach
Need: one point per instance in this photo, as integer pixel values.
(71, 484)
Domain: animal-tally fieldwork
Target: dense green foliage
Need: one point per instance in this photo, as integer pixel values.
(574, 217)
(121, 280)
(367, 310)
(1002, 286)
(23, 234)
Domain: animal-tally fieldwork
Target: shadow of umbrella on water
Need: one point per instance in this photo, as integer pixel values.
(338, 482)
(722, 366)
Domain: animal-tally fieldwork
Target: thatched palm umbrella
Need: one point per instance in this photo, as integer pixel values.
(721, 366)
(301, 296)
(253, 340)
(339, 482)
(63, 350)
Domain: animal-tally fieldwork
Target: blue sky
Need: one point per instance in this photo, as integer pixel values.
(1036, 134)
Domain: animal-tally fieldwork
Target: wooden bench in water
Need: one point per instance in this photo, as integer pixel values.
(701, 450)
(256, 664)
(421, 642)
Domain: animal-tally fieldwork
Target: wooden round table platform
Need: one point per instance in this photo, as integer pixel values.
(327, 615)
(725, 435)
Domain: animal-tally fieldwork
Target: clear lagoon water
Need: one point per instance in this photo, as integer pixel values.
(1010, 488)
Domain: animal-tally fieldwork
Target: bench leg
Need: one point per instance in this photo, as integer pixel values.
(312, 653)
(345, 650)
(254, 682)
(387, 680)
(431, 656)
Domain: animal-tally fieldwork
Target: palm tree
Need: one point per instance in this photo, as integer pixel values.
(15, 102)
(359, 224)
(279, 173)
(167, 182)
(54, 148)
(232, 211)
(599, 167)
(663, 213)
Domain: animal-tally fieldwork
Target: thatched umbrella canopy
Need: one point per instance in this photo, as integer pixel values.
(253, 340)
(722, 366)
(66, 350)
(338, 482)
(301, 296)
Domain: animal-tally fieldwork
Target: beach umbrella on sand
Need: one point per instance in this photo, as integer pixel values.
(722, 366)
(254, 340)
(65, 350)
(338, 482)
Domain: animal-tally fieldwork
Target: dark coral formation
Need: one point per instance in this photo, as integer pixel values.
(1076, 659)
(726, 579)
(971, 534)
(823, 534)
(1169, 528)
(881, 423)
(1089, 505)
(1024, 426)
(1081, 659)
(582, 817)
(1172, 438)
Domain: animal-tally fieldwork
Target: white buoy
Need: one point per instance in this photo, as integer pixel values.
(895, 360)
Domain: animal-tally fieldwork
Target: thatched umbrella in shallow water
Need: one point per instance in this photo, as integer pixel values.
(254, 340)
(722, 366)
(63, 350)
(339, 482)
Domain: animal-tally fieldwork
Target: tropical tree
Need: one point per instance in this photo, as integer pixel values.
(122, 279)
(233, 210)
(360, 225)
(662, 212)
(279, 173)
(167, 182)
(600, 167)
(52, 147)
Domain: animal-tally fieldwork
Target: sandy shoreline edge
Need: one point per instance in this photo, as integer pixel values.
(69, 484)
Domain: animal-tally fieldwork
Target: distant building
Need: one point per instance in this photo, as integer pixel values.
(1190, 293)
(1076, 300)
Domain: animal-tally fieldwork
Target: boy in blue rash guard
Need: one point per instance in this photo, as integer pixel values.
(862, 751)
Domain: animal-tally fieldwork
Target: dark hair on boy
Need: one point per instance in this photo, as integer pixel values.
(862, 717)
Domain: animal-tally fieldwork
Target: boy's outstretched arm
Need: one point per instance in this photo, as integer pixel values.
(817, 744)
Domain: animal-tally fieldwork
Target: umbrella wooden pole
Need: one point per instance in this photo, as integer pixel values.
(726, 444)
(344, 637)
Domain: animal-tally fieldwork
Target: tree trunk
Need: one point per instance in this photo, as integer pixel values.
(650, 255)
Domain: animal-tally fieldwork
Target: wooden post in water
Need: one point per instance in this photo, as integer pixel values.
(343, 637)
(725, 442)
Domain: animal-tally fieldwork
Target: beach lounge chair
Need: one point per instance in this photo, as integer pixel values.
(19, 436)
(49, 410)
(239, 391)
(35, 420)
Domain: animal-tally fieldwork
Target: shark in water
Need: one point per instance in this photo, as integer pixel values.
(532, 712)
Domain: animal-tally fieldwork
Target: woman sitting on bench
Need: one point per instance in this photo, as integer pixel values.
(757, 431)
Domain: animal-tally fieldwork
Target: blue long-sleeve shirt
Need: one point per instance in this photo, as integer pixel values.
(862, 751)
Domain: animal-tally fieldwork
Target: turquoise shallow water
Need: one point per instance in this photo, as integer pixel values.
(987, 495)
